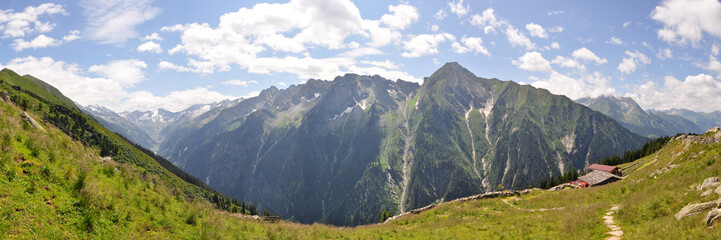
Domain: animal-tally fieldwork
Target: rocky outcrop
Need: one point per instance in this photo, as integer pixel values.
(714, 130)
(712, 216)
(695, 208)
(4, 96)
(709, 183)
(27, 118)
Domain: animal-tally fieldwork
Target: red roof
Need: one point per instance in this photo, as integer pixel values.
(604, 168)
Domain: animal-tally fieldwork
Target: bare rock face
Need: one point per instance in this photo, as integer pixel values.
(708, 183)
(695, 208)
(32, 121)
(706, 193)
(718, 190)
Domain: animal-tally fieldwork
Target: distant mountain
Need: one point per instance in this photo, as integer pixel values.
(116, 123)
(343, 151)
(702, 120)
(630, 115)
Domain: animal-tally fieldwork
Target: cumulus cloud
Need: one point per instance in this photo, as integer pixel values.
(698, 93)
(536, 30)
(424, 44)
(517, 38)
(487, 20)
(632, 61)
(556, 29)
(289, 30)
(615, 41)
(241, 83)
(152, 37)
(588, 85)
(72, 36)
(387, 64)
(534, 62)
(714, 50)
(150, 47)
(712, 65)
(664, 53)
(568, 63)
(114, 21)
(173, 101)
(125, 72)
(19, 24)
(165, 65)
(40, 41)
(554, 45)
(458, 8)
(587, 55)
(470, 44)
(687, 20)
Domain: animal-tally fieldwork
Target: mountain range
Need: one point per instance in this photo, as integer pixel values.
(342, 151)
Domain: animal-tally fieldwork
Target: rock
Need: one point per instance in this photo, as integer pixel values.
(695, 208)
(707, 183)
(706, 193)
(32, 121)
(717, 135)
(4, 96)
(712, 216)
(718, 190)
(714, 130)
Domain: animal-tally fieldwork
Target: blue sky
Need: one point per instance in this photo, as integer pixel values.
(143, 54)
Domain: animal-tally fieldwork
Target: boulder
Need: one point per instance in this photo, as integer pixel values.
(4, 96)
(708, 182)
(706, 193)
(714, 130)
(713, 216)
(32, 121)
(695, 208)
(718, 190)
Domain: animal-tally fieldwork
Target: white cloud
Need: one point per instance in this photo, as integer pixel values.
(712, 65)
(589, 85)
(686, 21)
(441, 14)
(586, 55)
(470, 44)
(110, 88)
(424, 44)
(389, 74)
(714, 50)
(615, 41)
(634, 59)
(434, 28)
(72, 36)
(241, 83)
(555, 12)
(487, 20)
(534, 62)
(40, 41)
(69, 79)
(165, 65)
(18, 24)
(458, 8)
(536, 30)
(152, 37)
(697, 93)
(126, 72)
(517, 38)
(568, 63)
(150, 47)
(384, 64)
(625, 24)
(556, 29)
(114, 21)
(664, 53)
(403, 16)
(555, 45)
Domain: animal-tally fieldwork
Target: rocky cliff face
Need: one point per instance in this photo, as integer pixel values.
(343, 151)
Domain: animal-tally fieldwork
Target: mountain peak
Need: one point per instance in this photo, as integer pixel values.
(451, 71)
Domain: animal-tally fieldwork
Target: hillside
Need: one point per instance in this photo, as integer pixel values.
(701, 119)
(341, 151)
(646, 123)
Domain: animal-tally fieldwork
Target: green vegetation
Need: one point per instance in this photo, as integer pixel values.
(568, 176)
(629, 156)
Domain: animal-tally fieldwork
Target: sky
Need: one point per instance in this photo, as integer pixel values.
(142, 54)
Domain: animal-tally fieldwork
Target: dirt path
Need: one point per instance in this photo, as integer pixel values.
(526, 209)
(616, 231)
